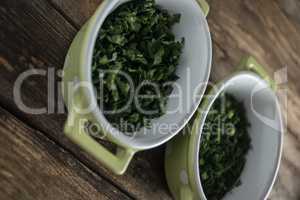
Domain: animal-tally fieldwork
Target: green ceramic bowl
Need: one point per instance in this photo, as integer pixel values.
(252, 86)
(81, 100)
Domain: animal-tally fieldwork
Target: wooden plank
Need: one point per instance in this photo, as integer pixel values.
(261, 28)
(78, 14)
(35, 35)
(33, 167)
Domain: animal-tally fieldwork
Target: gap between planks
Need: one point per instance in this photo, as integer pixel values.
(42, 158)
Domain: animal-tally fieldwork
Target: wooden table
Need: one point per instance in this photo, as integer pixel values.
(38, 162)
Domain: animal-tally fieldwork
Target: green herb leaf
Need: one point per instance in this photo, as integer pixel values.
(137, 40)
(225, 143)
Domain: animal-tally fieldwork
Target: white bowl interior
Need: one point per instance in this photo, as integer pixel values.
(193, 71)
(266, 132)
(263, 159)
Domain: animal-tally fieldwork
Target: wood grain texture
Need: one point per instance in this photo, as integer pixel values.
(36, 34)
(78, 14)
(33, 167)
(39, 37)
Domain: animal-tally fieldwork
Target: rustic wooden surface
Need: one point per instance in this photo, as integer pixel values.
(36, 160)
(33, 167)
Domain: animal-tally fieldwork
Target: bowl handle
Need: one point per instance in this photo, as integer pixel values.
(117, 163)
(249, 63)
(186, 193)
(204, 6)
